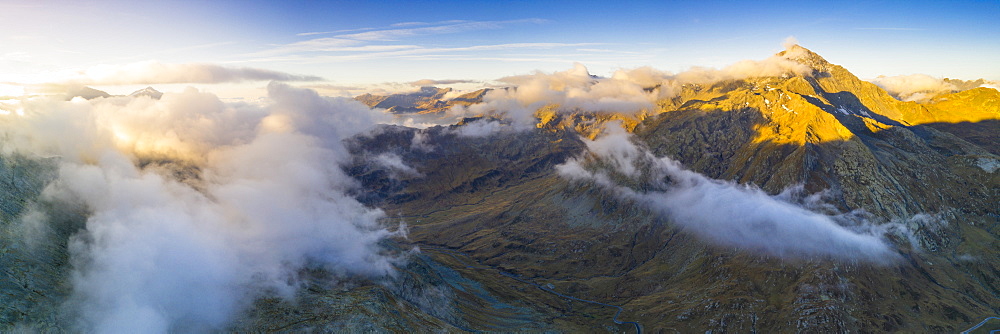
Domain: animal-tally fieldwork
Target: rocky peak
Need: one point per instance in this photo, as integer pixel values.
(805, 56)
(85, 92)
(148, 91)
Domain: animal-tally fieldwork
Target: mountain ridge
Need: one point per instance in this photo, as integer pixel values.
(828, 132)
(497, 233)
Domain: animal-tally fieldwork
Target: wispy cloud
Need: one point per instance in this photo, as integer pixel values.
(403, 41)
(432, 82)
(408, 24)
(891, 28)
(410, 51)
(154, 72)
(725, 213)
(395, 34)
(394, 26)
(372, 39)
(311, 33)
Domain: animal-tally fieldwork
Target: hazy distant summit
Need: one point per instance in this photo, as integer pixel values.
(147, 92)
(425, 100)
(68, 92)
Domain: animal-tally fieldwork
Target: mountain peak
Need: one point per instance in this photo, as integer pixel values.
(85, 92)
(805, 56)
(148, 91)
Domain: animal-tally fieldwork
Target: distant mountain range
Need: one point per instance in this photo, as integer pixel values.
(91, 93)
(425, 100)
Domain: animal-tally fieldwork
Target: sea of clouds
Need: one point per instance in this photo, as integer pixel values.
(194, 206)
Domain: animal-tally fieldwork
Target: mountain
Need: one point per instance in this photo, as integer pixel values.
(85, 92)
(425, 100)
(497, 202)
(148, 92)
(571, 225)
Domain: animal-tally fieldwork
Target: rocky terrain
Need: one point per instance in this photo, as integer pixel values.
(499, 239)
(499, 200)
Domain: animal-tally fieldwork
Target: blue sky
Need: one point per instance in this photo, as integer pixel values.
(361, 43)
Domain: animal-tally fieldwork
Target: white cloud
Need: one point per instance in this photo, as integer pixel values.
(891, 28)
(721, 212)
(432, 82)
(913, 87)
(330, 45)
(409, 24)
(421, 141)
(920, 87)
(453, 27)
(397, 168)
(790, 42)
(482, 128)
(264, 197)
(359, 41)
(303, 53)
(154, 72)
(773, 66)
(627, 91)
(575, 89)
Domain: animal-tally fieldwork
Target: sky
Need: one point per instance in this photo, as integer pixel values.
(234, 48)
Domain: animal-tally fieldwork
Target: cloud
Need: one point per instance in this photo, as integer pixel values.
(409, 24)
(774, 66)
(920, 87)
(421, 141)
(330, 45)
(333, 32)
(790, 42)
(892, 28)
(230, 202)
(913, 87)
(575, 89)
(397, 168)
(369, 43)
(721, 212)
(627, 91)
(431, 82)
(394, 25)
(482, 128)
(453, 27)
(297, 51)
(154, 72)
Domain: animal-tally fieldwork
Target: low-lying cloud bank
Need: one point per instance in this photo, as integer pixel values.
(155, 72)
(196, 207)
(724, 213)
(432, 82)
(920, 87)
(627, 91)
